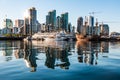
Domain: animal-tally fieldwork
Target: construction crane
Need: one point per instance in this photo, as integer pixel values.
(109, 22)
(102, 22)
(92, 13)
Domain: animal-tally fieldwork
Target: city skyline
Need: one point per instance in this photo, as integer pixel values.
(106, 11)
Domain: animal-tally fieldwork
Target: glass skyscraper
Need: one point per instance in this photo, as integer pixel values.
(58, 22)
(91, 21)
(30, 22)
(64, 21)
(19, 23)
(51, 19)
(90, 24)
(8, 23)
(80, 25)
(33, 19)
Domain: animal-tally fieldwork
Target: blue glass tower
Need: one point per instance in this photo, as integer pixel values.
(64, 21)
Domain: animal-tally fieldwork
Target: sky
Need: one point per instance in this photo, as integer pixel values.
(107, 11)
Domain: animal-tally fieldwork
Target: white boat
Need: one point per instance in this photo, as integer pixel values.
(61, 36)
(58, 36)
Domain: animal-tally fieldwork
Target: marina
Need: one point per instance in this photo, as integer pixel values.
(57, 36)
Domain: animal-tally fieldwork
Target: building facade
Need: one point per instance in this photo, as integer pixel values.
(7, 23)
(51, 20)
(26, 27)
(70, 28)
(104, 30)
(19, 23)
(33, 19)
(90, 24)
(58, 23)
(80, 25)
(64, 21)
(30, 22)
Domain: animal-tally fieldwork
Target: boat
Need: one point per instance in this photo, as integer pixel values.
(80, 37)
(57, 36)
(61, 36)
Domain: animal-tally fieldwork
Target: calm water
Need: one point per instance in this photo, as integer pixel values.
(59, 60)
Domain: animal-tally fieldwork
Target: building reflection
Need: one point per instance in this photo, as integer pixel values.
(62, 56)
(88, 51)
(30, 56)
(8, 48)
(50, 57)
(19, 53)
(56, 53)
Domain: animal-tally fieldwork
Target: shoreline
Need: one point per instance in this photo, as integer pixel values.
(77, 39)
(11, 38)
(96, 38)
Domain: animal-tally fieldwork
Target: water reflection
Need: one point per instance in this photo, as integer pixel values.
(56, 53)
(57, 56)
(30, 56)
(63, 57)
(50, 57)
(7, 48)
(88, 51)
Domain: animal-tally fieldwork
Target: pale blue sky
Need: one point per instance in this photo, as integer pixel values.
(109, 9)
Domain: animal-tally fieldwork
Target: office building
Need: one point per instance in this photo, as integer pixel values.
(30, 22)
(80, 25)
(64, 21)
(90, 21)
(51, 20)
(90, 24)
(26, 27)
(38, 26)
(7, 23)
(19, 23)
(43, 27)
(58, 23)
(47, 19)
(104, 30)
(69, 27)
(33, 19)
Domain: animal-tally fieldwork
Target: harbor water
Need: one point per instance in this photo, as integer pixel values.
(59, 60)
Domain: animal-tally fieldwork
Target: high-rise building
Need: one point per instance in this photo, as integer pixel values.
(58, 22)
(43, 27)
(33, 19)
(85, 29)
(90, 24)
(69, 27)
(30, 21)
(64, 21)
(104, 30)
(96, 29)
(38, 26)
(26, 27)
(7, 23)
(91, 21)
(8, 26)
(80, 25)
(51, 19)
(19, 23)
(47, 19)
